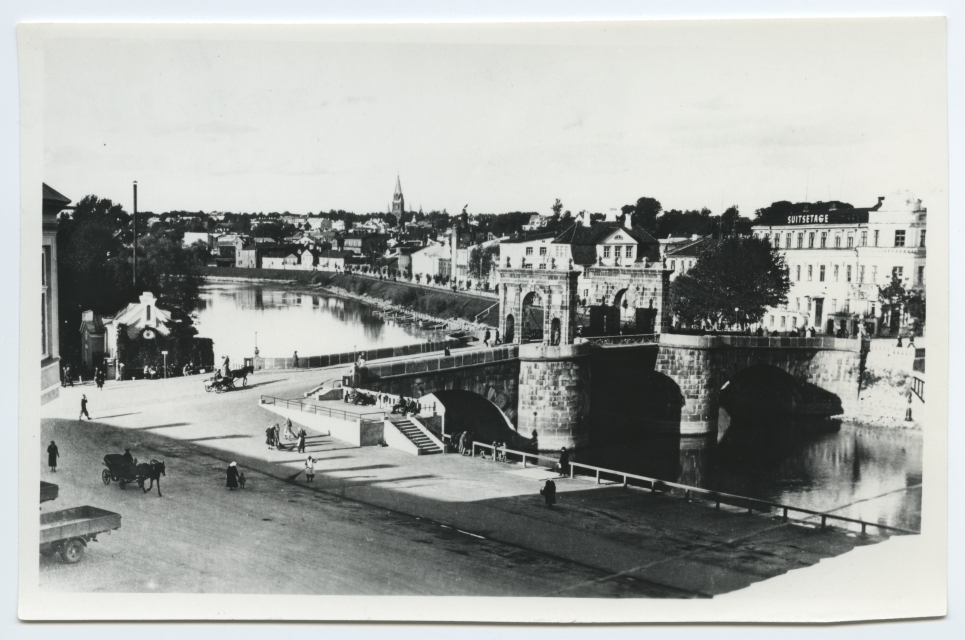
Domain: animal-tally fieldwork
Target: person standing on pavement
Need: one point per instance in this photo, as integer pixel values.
(549, 493)
(564, 462)
(310, 470)
(276, 434)
(289, 434)
(83, 407)
(52, 454)
(232, 481)
(301, 441)
(270, 437)
(295, 359)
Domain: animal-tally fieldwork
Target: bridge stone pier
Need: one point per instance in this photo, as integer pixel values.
(701, 365)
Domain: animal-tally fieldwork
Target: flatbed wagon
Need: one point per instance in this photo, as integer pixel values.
(68, 531)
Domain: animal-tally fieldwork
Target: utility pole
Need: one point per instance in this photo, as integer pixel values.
(135, 233)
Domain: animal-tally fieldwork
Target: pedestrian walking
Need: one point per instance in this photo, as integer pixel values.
(232, 481)
(289, 434)
(270, 437)
(276, 434)
(496, 341)
(301, 441)
(549, 493)
(83, 407)
(52, 454)
(564, 462)
(295, 360)
(310, 470)
(486, 338)
(241, 479)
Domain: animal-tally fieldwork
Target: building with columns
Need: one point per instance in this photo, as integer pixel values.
(839, 260)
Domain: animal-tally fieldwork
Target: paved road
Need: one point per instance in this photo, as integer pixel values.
(377, 521)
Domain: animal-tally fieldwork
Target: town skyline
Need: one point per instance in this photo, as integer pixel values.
(219, 126)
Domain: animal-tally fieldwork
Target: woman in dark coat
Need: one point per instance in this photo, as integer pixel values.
(52, 454)
(232, 476)
(549, 493)
(564, 462)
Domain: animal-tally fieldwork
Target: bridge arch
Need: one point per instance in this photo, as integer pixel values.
(532, 317)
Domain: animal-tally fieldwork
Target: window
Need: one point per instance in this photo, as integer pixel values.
(797, 270)
(864, 238)
(874, 273)
(921, 238)
(606, 252)
(673, 265)
(777, 240)
(835, 273)
(824, 239)
(921, 275)
(837, 241)
(850, 241)
(770, 322)
(148, 312)
(876, 237)
(629, 252)
(542, 251)
(529, 251)
(787, 241)
(794, 322)
(872, 308)
(810, 272)
(897, 272)
(847, 305)
(834, 305)
(811, 240)
(847, 273)
(900, 238)
(861, 274)
(800, 240)
(616, 252)
(783, 322)
(797, 304)
(821, 273)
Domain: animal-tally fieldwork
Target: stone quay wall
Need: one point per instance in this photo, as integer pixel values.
(554, 394)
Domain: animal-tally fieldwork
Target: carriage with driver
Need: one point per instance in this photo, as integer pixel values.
(124, 471)
(220, 383)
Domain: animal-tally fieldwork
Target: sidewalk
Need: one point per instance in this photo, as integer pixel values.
(680, 548)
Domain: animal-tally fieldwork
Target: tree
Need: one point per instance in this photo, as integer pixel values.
(908, 304)
(733, 283)
(482, 260)
(644, 213)
(391, 220)
(557, 207)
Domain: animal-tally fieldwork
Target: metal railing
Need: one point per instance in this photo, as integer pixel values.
(644, 338)
(484, 312)
(314, 408)
(918, 387)
(689, 492)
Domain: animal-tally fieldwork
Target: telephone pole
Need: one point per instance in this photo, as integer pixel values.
(135, 233)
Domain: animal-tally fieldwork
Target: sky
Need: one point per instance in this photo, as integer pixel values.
(695, 114)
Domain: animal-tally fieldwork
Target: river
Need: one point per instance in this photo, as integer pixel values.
(286, 321)
(868, 473)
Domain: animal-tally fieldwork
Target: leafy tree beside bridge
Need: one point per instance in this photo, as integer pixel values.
(732, 284)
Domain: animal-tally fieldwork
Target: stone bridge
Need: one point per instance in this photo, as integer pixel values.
(573, 394)
(491, 373)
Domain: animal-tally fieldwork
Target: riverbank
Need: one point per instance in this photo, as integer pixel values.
(431, 306)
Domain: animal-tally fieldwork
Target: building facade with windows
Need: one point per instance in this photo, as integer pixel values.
(53, 204)
(839, 260)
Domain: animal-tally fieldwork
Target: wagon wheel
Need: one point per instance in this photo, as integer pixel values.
(207, 387)
(73, 551)
(106, 476)
(218, 389)
(244, 381)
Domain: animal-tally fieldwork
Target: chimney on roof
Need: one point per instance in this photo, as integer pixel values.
(881, 200)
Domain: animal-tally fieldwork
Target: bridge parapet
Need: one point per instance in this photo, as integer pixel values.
(829, 343)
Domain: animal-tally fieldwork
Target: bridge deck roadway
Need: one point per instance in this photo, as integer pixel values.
(333, 536)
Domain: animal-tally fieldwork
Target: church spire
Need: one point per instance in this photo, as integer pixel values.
(398, 201)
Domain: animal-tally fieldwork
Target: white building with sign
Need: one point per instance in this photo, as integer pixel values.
(839, 259)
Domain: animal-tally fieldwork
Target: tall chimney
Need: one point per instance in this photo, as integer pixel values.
(135, 233)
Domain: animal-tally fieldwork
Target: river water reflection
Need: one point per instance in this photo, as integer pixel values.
(287, 321)
(869, 473)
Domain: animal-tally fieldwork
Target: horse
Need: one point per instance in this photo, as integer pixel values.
(152, 472)
(241, 374)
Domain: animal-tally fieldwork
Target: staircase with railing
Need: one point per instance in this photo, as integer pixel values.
(417, 436)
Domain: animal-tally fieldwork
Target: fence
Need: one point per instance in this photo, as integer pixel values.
(689, 492)
(645, 338)
(315, 409)
(918, 387)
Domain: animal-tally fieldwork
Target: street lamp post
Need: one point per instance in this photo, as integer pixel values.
(165, 354)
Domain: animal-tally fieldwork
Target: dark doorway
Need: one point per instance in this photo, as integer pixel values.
(818, 312)
(510, 332)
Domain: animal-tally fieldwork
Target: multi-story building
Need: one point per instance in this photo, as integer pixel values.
(53, 204)
(839, 260)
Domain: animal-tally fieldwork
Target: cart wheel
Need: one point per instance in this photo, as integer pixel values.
(207, 388)
(218, 389)
(106, 476)
(244, 382)
(73, 551)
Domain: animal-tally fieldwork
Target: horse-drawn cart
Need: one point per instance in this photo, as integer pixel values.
(220, 383)
(67, 532)
(120, 470)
